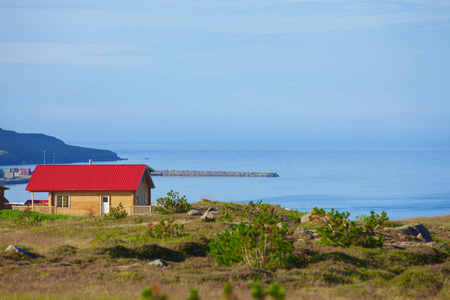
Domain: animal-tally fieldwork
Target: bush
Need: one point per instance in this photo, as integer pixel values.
(165, 229)
(172, 204)
(116, 213)
(250, 212)
(337, 230)
(262, 244)
(193, 295)
(274, 291)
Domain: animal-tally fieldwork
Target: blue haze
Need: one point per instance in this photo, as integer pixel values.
(403, 179)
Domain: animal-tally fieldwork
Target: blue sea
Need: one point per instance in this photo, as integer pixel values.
(403, 179)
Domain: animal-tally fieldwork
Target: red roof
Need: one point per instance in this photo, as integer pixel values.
(87, 177)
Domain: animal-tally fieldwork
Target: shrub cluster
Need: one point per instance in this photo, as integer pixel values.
(250, 212)
(337, 230)
(116, 213)
(165, 229)
(172, 204)
(262, 244)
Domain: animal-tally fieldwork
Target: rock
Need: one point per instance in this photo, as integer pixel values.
(194, 212)
(417, 230)
(211, 209)
(440, 246)
(158, 263)
(280, 225)
(303, 233)
(305, 218)
(16, 250)
(208, 216)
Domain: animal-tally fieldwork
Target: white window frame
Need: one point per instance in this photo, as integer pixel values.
(62, 201)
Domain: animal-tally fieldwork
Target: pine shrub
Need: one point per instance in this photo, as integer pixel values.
(172, 204)
(338, 231)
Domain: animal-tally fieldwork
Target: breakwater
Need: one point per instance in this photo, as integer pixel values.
(212, 173)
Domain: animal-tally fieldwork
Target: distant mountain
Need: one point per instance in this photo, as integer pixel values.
(28, 148)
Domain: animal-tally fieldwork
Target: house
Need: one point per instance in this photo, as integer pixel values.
(92, 189)
(4, 203)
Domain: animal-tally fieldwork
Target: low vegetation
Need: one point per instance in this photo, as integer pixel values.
(116, 213)
(338, 231)
(172, 204)
(251, 251)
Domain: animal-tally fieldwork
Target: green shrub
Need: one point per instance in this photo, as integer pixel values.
(274, 291)
(172, 204)
(262, 244)
(116, 213)
(165, 229)
(295, 215)
(337, 230)
(193, 295)
(250, 212)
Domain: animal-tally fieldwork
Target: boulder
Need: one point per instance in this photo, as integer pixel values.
(208, 216)
(302, 233)
(194, 212)
(305, 218)
(158, 263)
(417, 230)
(16, 250)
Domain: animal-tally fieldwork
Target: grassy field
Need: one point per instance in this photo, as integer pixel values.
(98, 258)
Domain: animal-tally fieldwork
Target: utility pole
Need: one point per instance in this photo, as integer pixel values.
(44, 157)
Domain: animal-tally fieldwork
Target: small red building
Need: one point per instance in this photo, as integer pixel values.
(92, 189)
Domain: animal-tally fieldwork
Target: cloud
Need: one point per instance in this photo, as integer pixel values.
(70, 54)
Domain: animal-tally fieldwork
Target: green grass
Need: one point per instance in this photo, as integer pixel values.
(15, 216)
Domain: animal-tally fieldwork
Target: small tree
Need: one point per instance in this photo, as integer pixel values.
(165, 229)
(172, 204)
(337, 230)
(116, 213)
(262, 244)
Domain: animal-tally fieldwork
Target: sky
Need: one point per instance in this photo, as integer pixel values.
(226, 70)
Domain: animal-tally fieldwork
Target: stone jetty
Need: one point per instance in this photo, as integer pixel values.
(212, 173)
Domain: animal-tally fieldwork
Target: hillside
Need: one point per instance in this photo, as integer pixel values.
(95, 257)
(28, 148)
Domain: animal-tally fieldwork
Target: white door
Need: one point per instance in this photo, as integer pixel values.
(105, 205)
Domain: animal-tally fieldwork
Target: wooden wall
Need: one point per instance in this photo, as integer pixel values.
(143, 192)
(89, 202)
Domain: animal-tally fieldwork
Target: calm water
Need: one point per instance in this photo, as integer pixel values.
(404, 179)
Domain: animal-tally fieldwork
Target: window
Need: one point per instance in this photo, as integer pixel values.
(62, 201)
